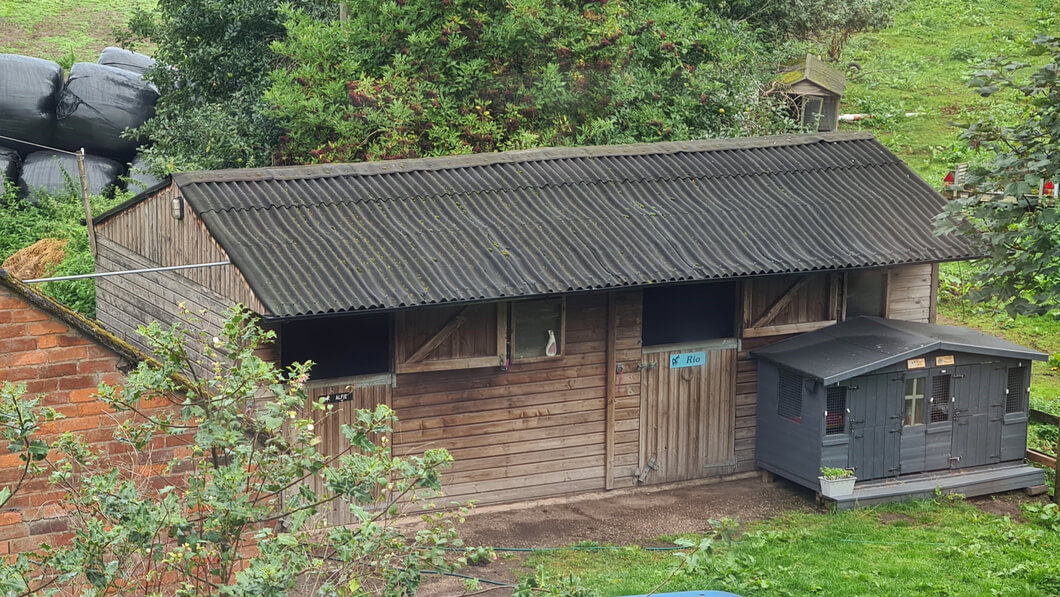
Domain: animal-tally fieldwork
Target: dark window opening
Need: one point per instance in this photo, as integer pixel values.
(789, 400)
(867, 293)
(689, 313)
(340, 346)
(835, 413)
(940, 399)
(537, 328)
(1014, 391)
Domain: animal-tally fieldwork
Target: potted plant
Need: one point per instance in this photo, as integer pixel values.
(837, 482)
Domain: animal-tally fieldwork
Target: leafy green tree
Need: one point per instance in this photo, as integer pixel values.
(826, 22)
(213, 64)
(1004, 216)
(231, 514)
(411, 78)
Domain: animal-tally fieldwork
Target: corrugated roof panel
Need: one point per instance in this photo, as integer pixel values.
(388, 235)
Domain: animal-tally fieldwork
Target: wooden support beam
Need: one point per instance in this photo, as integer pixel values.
(447, 330)
(787, 328)
(781, 302)
(612, 373)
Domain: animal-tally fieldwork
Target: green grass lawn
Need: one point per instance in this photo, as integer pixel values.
(920, 64)
(66, 31)
(916, 548)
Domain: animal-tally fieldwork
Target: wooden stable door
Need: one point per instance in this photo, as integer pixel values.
(345, 399)
(978, 416)
(688, 406)
(875, 403)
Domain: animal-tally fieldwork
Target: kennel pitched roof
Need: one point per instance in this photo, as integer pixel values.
(816, 71)
(864, 344)
(394, 234)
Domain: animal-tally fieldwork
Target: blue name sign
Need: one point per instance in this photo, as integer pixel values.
(688, 359)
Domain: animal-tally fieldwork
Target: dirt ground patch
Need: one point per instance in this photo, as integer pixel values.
(637, 517)
(1006, 504)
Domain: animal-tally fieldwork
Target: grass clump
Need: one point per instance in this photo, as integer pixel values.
(941, 547)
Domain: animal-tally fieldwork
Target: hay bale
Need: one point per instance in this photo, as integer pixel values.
(52, 172)
(97, 104)
(29, 90)
(37, 260)
(9, 166)
(126, 60)
(139, 179)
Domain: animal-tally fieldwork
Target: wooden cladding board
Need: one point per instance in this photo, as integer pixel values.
(688, 416)
(538, 429)
(126, 302)
(328, 427)
(911, 291)
(443, 338)
(150, 230)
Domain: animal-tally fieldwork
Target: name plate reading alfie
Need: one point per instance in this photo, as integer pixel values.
(337, 397)
(944, 360)
(688, 359)
(916, 363)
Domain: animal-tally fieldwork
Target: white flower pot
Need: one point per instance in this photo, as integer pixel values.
(837, 487)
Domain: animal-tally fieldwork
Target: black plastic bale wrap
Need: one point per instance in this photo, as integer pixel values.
(9, 165)
(139, 178)
(29, 90)
(53, 172)
(126, 60)
(97, 104)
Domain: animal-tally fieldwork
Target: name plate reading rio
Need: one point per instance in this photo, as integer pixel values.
(337, 397)
(688, 359)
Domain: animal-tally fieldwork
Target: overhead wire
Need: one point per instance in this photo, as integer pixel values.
(39, 145)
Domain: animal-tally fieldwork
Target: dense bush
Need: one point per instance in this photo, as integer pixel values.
(213, 63)
(408, 78)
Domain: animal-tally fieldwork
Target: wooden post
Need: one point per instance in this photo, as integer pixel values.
(83, 175)
(344, 12)
(609, 400)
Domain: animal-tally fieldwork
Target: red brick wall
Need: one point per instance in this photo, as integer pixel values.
(57, 360)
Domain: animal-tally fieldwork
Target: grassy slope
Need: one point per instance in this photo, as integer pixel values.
(920, 64)
(918, 548)
(66, 31)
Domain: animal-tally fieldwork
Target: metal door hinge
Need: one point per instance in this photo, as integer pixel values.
(647, 366)
(642, 474)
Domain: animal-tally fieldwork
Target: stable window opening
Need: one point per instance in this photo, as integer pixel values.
(835, 414)
(789, 399)
(914, 401)
(940, 399)
(338, 346)
(537, 330)
(866, 293)
(689, 313)
(1014, 391)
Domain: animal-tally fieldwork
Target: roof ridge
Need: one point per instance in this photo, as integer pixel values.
(316, 171)
(560, 185)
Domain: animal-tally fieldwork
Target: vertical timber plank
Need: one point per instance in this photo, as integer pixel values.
(609, 398)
